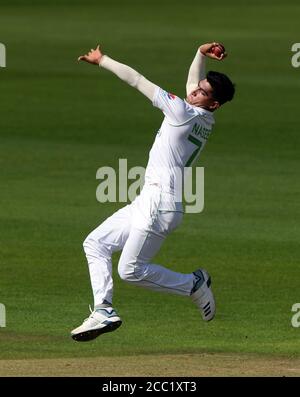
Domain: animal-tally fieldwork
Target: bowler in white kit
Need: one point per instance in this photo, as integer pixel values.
(140, 228)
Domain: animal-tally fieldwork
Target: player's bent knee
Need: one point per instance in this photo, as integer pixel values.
(88, 243)
(91, 245)
(131, 271)
(126, 272)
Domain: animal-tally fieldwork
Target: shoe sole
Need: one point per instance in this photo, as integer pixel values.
(94, 333)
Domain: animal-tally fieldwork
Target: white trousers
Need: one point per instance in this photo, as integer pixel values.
(138, 229)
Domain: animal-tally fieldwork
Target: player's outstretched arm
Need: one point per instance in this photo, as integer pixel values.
(197, 68)
(124, 72)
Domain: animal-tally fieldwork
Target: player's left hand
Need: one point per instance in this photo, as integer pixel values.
(93, 57)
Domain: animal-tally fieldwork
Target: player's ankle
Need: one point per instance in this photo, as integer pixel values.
(105, 304)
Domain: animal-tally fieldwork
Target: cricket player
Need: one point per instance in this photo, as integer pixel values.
(140, 228)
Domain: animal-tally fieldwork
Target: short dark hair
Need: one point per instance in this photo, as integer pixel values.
(223, 88)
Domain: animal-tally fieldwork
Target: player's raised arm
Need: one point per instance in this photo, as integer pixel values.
(124, 72)
(197, 68)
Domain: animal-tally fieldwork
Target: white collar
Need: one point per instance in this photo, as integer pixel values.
(204, 112)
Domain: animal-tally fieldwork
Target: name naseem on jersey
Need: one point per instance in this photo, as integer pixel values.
(199, 130)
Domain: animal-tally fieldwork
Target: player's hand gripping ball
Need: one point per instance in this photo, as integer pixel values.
(218, 50)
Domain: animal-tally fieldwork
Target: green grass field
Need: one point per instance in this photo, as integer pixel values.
(61, 121)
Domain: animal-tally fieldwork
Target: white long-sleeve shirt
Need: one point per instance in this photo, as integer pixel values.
(196, 72)
(182, 135)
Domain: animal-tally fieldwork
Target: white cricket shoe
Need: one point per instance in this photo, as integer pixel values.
(202, 295)
(100, 321)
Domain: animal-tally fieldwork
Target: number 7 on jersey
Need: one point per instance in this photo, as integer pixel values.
(198, 143)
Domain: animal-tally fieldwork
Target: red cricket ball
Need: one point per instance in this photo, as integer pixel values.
(218, 50)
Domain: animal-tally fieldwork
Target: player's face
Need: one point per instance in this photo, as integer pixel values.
(203, 96)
